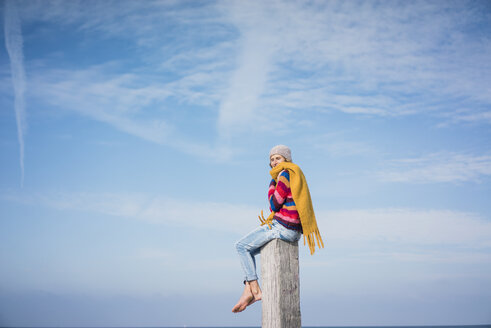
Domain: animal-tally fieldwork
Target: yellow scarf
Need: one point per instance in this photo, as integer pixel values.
(303, 202)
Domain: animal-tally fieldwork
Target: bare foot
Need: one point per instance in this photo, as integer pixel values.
(244, 300)
(250, 295)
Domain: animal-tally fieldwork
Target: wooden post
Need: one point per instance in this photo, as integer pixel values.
(280, 285)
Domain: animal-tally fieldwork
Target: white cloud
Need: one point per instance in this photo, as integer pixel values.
(240, 103)
(125, 19)
(258, 42)
(392, 230)
(467, 116)
(387, 237)
(261, 65)
(112, 100)
(14, 45)
(156, 209)
(340, 54)
(123, 101)
(406, 227)
(175, 72)
(385, 60)
(438, 167)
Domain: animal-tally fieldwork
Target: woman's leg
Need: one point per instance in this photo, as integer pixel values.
(250, 245)
(247, 248)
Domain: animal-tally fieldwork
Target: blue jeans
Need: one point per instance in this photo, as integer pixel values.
(250, 245)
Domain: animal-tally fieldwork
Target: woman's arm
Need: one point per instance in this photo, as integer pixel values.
(278, 192)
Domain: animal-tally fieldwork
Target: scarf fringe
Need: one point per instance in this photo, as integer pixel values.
(268, 220)
(311, 238)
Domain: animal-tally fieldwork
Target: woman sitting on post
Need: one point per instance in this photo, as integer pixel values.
(291, 215)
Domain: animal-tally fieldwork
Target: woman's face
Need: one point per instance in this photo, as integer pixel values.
(275, 160)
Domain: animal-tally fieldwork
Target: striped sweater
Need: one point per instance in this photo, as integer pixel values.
(281, 202)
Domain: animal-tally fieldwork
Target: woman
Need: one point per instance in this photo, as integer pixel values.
(291, 214)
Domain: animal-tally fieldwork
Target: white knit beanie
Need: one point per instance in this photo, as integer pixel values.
(281, 150)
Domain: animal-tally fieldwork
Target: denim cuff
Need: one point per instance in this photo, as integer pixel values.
(248, 279)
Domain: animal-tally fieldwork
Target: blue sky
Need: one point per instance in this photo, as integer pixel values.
(134, 148)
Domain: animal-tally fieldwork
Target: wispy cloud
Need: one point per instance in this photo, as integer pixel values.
(400, 235)
(407, 228)
(137, 104)
(401, 228)
(111, 99)
(262, 65)
(14, 45)
(258, 43)
(465, 115)
(155, 209)
(438, 167)
(156, 100)
(384, 61)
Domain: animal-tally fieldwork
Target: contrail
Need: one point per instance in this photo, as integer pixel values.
(13, 43)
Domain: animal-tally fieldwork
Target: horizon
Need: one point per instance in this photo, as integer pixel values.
(401, 326)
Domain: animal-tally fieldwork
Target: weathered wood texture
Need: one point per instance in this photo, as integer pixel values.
(280, 285)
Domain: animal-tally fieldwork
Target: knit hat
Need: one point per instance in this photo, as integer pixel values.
(281, 150)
